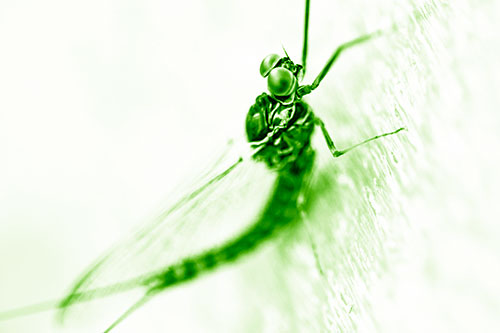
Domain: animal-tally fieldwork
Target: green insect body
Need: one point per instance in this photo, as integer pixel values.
(279, 127)
(281, 133)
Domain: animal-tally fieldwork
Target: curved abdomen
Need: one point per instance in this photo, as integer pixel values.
(282, 209)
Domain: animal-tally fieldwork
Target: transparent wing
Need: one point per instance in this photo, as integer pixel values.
(227, 200)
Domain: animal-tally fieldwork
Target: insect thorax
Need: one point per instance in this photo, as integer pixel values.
(283, 129)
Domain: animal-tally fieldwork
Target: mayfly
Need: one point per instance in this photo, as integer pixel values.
(279, 127)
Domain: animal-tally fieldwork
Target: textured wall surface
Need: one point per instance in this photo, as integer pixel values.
(107, 107)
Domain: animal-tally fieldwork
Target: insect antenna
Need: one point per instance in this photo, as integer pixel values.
(285, 51)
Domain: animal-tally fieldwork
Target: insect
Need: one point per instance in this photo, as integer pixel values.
(279, 127)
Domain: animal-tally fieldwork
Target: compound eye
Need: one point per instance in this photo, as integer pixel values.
(281, 82)
(268, 64)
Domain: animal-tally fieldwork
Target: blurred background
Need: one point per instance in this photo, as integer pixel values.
(106, 107)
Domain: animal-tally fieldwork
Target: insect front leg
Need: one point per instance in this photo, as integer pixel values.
(307, 89)
(306, 35)
(331, 146)
(312, 243)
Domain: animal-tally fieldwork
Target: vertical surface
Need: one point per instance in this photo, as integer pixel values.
(105, 106)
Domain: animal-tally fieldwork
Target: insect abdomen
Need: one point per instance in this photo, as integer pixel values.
(281, 210)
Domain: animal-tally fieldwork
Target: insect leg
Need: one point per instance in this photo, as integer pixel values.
(331, 146)
(314, 248)
(306, 35)
(302, 208)
(307, 89)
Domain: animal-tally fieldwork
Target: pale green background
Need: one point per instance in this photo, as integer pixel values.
(106, 107)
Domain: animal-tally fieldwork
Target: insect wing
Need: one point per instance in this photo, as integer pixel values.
(227, 202)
